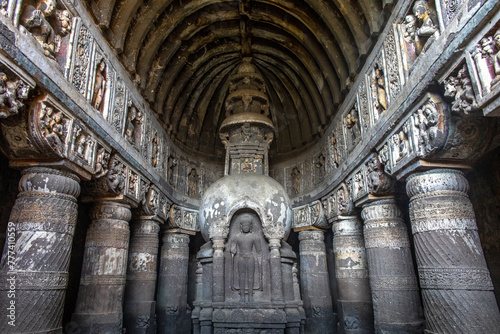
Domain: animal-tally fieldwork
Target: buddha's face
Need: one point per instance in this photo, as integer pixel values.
(246, 226)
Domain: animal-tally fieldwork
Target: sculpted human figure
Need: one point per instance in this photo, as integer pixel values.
(296, 181)
(427, 16)
(246, 253)
(496, 58)
(99, 85)
(35, 21)
(378, 89)
(11, 92)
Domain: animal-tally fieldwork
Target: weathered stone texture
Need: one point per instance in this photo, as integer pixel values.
(39, 238)
(102, 284)
(171, 295)
(396, 300)
(315, 283)
(139, 303)
(485, 195)
(355, 302)
(456, 286)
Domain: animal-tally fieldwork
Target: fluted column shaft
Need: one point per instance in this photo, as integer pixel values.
(315, 283)
(171, 300)
(35, 262)
(396, 301)
(102, 284)
(456, 286)
(355, 301)
(139, 304)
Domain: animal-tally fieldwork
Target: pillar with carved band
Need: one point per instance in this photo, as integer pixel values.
(355, 300)
(102, 284)
(171, 297)
(396, 299)
(456, 286)
(35, 262)
(139, 305)
(315, 283)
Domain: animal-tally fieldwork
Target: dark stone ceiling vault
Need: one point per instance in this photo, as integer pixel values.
(182, 53)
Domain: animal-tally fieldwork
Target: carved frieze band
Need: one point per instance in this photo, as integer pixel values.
(46, 280)
(393, 283)
(118, 280)
(455, 278)
(351, 273)
(395, 237)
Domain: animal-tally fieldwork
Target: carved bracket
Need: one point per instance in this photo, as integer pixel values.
(184, 219)
(432, 132)
(15, 85)
(310, 215)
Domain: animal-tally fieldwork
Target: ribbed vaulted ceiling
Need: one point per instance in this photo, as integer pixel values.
(182, 53)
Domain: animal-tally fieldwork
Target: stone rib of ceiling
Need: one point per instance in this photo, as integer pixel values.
(183, 52)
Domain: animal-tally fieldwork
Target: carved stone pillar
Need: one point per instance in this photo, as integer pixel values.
(218, 270)
(139, 305)
(315, 283)
(171, 297)
(102, 285)
(275, 260)
(35, 262)
(456, 286)
(396, 299)
(355, 300)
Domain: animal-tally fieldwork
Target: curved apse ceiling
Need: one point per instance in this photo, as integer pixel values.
(181, 54)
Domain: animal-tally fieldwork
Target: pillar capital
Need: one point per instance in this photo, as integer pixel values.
(436, 180)
(312, 235)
